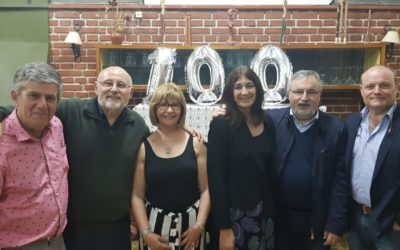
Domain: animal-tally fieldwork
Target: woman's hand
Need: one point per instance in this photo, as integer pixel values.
(156, 242)
(134, 230)
(191, 237)
(226, 239)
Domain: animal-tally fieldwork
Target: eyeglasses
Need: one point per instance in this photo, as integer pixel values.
(110, 84)
(309, 92)
(165, 106)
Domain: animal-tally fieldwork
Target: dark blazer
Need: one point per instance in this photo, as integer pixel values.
(330, 180)
(236, 173)
(385, 186)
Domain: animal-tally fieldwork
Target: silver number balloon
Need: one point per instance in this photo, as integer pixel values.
(272, 55)
(205, 55)
(162, 69)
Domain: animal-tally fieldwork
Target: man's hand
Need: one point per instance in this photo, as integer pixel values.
(330, 238)
(4, 112)
(396, 227)
(218, 112)
(195, 133)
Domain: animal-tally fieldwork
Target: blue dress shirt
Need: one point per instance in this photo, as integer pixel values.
(365, 152)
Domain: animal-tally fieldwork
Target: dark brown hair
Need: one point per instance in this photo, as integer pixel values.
(233, 111)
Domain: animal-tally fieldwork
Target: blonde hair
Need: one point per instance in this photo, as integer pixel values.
(163, 93)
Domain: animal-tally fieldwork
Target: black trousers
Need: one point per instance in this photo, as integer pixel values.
(293, 231)
(107, 236)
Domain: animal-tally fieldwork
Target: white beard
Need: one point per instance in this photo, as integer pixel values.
(112, 106)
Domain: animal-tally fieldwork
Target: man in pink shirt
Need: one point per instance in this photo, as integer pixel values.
(33, 164)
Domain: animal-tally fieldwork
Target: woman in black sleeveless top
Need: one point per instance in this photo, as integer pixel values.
(170, 197)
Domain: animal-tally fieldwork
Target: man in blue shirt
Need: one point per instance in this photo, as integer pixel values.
(373, 157)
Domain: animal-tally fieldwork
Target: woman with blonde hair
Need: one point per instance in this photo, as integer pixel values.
(170, 197)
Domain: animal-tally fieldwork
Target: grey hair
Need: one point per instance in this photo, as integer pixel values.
(38, 72)
(303, 74)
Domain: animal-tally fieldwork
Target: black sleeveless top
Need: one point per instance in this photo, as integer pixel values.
(171, 183)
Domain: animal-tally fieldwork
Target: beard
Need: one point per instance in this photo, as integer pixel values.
(307, 114)
(303, 115)
(109, 105)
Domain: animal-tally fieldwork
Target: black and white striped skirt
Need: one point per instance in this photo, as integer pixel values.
(171, 225)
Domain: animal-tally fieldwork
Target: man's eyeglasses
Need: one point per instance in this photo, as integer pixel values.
(165, 106)
(110, 84)
(309, 92)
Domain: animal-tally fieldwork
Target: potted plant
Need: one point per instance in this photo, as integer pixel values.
(116, 21)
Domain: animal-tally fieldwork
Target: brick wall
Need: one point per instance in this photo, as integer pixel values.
(254, 25)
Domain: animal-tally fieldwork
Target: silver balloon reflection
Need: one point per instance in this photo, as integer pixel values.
(162, 70)
(205, 55)
(276, 57)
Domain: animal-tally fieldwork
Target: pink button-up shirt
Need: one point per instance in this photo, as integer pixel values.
(33, 184)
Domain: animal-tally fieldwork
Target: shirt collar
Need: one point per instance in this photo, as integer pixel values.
(101, 112)
(20, 133)
(389, 113)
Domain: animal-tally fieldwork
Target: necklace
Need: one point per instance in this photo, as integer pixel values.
(167, 149)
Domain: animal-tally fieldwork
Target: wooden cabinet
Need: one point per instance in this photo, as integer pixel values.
(340, 65)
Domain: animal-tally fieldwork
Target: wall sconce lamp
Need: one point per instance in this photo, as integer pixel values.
(75, 41)
(391, 38)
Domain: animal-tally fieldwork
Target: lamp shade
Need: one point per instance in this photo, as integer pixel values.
(73, 37)
(391, 37)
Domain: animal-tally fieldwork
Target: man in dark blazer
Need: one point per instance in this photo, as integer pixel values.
(313, 188)
(373, 158)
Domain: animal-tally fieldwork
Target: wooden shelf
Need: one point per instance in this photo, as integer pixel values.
(354, 87)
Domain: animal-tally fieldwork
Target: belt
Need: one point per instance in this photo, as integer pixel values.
(364, 209)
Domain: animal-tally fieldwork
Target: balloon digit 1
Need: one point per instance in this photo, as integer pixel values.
(162, 70)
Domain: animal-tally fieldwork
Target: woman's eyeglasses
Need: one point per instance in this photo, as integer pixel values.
(165, 106)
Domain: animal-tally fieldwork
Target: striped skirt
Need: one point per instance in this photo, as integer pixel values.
(171, 225)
